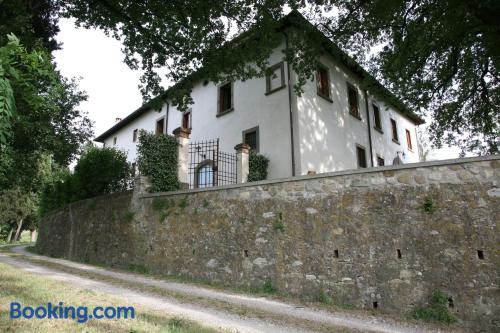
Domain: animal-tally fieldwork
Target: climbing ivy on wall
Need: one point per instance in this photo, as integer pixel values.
(257, 167)
(157, 159)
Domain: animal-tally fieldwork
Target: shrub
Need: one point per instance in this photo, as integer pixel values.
(57, 192)
(98, 171)
(101, 171)
(257, 167)
(436, 311)
(157, 159)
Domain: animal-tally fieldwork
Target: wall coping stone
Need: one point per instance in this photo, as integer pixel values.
(454, 161)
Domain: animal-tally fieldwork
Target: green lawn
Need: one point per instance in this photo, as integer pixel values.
(29, 289)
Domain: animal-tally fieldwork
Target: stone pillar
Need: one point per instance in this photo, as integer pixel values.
(242, 162)
(182, 135)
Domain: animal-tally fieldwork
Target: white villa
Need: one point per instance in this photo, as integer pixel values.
(334, 125)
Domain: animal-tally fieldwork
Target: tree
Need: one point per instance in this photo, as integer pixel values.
(100, 171)
(34, 22)
(440, 57)
(39, 116)
(16, 207)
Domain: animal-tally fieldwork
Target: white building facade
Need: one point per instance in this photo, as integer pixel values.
(333, 125)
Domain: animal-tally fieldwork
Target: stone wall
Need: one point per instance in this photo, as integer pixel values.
(389, 235)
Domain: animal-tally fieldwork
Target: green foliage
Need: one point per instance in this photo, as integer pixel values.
(257, 167)
(99, 171)
(436, 311)
(57, 192)
(429, 206)
(141, 269)
(157, 159)
(205, 203)
(184, 202)
(279, 226)
(15, 207)
(129, 216)
(454, 77)
(269, 288)
(324, 298)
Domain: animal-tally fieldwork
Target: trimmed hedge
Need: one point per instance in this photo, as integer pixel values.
(158, 160)
(257, 167)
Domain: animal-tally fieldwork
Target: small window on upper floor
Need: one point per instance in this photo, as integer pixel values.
(352, 96)
(394, 131)
(134, 169)
(323, 82)
(251, 138)
(380, 161)
(376, 117)
(114, 141)
(361, 155)
(160, 126)
(408, 140)
(275, 78)
(186, 119)
(225, 98)
(134, 135)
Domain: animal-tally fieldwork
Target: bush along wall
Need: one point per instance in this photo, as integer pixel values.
(98, 171)
(158, 160)
(257, 167)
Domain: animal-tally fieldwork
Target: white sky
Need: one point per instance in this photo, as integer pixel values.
(112, 86)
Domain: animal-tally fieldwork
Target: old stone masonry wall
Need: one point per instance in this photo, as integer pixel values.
(385, 237)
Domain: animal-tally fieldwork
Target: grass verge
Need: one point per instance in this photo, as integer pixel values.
(28, 289)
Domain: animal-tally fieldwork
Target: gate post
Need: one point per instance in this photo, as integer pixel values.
(242, 162)
(182, 136)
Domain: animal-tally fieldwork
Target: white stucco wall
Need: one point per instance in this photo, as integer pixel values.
(252, 108)
(325, 133)
(328, 134)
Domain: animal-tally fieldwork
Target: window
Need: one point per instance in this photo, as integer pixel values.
(186, 119)
(323, 82)
(205, 175)
(394, 131)
(114, 141)
(380, 161)
(225, 98)
(376, 116)
(134, 135)
(251, 138)
(408, 140)
(275, 78)
(352, 96)
(134, 168)
(361, 154)
(160, 125)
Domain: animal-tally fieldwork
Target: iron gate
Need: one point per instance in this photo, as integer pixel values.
(208, 166)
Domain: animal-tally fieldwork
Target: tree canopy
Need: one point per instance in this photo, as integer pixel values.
(440, 57)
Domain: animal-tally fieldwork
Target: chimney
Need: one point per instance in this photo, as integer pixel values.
(117, 119)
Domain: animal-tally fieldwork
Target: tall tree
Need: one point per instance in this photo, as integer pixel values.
(440, 57)
(39, 116)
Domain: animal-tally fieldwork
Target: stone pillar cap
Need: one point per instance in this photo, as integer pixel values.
(242, 147)
(181, 132)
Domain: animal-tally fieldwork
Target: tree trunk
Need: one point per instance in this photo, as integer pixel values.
(9, 237)
(18, 231)
(33, 235)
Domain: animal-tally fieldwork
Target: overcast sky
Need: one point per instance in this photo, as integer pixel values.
(113, 87)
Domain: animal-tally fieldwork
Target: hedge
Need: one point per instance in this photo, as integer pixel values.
(98, 171)
(257, 167)
(158, 160)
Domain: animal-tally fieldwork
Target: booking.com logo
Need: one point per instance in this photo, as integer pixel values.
(61, 311)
